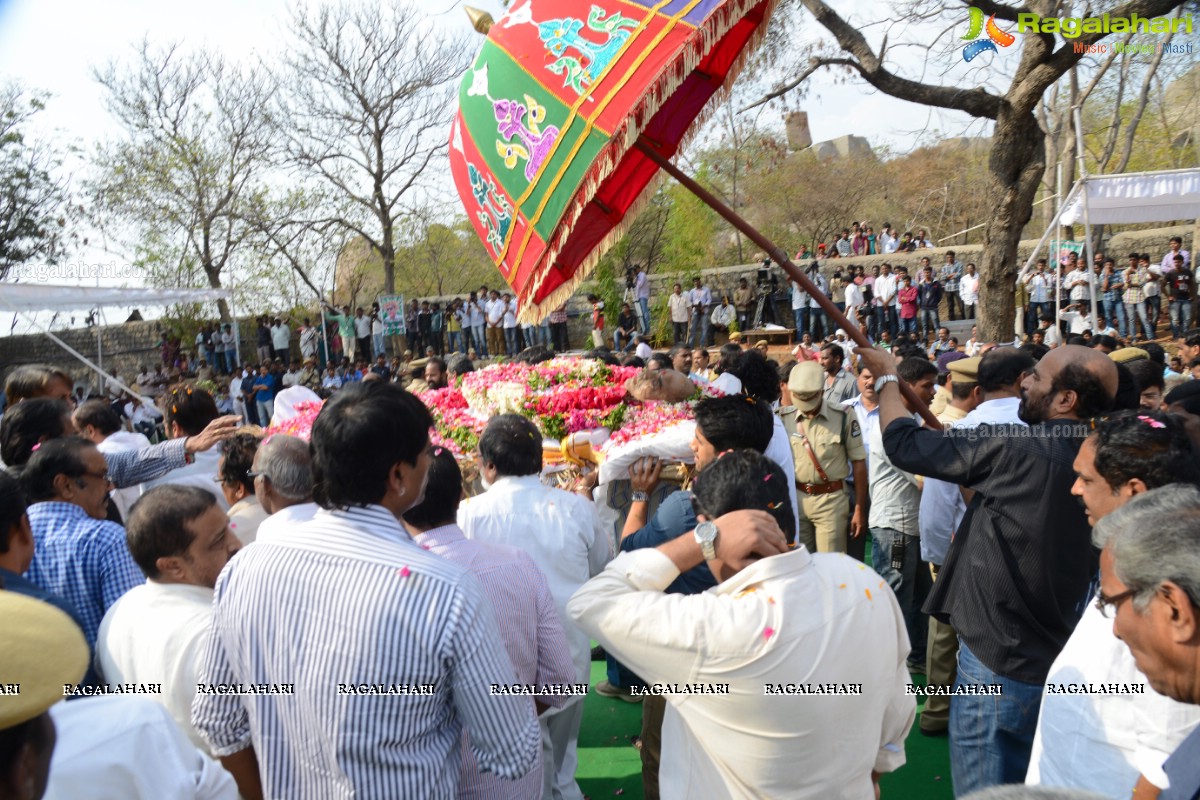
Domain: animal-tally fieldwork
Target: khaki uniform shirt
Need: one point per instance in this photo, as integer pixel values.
(836, 439)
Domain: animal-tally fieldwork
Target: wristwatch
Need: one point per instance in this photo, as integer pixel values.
(640, 497)
(706, 537)
(884, 381)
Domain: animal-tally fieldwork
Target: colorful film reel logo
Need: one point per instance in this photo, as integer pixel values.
(996, 36)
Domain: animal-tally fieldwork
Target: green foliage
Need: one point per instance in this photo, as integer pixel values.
(32, 202)
(614, 419)
(689, 234)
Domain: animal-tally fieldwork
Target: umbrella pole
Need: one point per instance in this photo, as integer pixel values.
(780, 257)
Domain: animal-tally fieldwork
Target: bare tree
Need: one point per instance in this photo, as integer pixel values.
(1018, 154)
(198, 143)
(366, 110)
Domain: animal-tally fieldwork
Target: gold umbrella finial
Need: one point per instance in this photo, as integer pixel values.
(482, 21)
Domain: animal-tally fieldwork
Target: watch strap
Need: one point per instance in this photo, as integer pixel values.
(640, 497)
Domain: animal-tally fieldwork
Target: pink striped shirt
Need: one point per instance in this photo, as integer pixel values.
(532, 632)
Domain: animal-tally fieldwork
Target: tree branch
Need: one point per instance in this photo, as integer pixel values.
(976, 102)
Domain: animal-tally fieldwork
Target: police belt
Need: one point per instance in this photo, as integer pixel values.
(819, 488)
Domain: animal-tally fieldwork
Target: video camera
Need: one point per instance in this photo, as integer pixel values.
(766, 278)
(631, 276)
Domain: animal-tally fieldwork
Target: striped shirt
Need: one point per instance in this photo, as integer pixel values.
(85, 561)
(131, 467)
(532, 633)
(356, 618)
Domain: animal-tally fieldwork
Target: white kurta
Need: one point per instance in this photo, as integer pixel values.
(788, 619)
(128, 748)
(1102, 742)
(560, 530)
(156, 633)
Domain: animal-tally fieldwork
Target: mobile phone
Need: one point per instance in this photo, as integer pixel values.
(898, 553)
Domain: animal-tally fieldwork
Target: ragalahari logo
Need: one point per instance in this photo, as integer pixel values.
(996, 36)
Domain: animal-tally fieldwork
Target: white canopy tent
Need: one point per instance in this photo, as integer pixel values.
(27, 299)
(34, 297)
(1127, 198)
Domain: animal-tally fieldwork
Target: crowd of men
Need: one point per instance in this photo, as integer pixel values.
(277, 618)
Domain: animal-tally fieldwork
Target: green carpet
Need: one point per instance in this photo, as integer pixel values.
(610, 766)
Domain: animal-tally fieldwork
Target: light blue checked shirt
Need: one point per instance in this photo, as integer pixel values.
(85, 561)
(131, 467)
(344, 607)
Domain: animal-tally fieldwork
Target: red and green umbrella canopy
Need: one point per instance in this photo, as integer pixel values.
(543, 146)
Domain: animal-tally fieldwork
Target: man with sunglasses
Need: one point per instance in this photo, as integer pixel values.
(1105, 741)
(78, 555)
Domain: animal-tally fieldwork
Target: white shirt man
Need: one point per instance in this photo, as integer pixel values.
(144, 411)
(123, 747)
(156, 633)
(968, 288)
(228, 342)
(235, 395)
(1126, 735)
(790, 619)
(495, 312)
(678, 305)
(1077, 283)
(799, 297)
(854, 299)
(362, 326)
(1051, 335)
(291, 377)
(641, 285)
(724, 315)
(280, 336)
(643, 350)
(563, 534)
(887, 241)
(477, 315)
(885, 290)
(510, 312)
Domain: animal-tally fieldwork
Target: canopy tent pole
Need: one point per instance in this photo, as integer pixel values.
(779, 256)
(1087, 223)
(1046, 235)
(1058, 276)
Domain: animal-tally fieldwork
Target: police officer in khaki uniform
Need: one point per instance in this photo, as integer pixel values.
(826, 444)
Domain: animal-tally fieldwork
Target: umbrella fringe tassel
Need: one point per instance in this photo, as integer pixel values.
(696, 50)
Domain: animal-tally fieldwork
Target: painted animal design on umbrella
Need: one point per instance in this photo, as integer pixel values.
(561, 35)
(534, 143)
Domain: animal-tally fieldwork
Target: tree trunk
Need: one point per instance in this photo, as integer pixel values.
(388, 255)
(1015, 170)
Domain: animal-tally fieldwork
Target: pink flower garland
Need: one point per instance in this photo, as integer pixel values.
(299, 425)
(649, 419)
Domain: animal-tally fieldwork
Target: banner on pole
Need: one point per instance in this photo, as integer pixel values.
(391, 311)
(1067, 247)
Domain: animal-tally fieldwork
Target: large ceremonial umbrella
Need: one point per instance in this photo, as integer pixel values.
(566, 117)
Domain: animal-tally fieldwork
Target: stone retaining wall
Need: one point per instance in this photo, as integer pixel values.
(125, 347)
